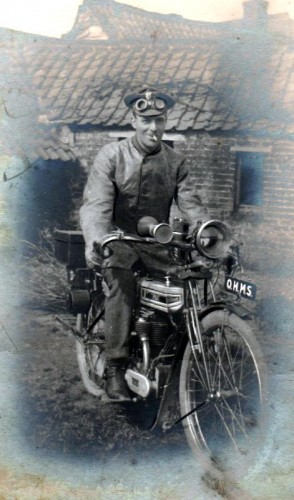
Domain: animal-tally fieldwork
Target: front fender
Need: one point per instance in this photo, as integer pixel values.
(238, 309)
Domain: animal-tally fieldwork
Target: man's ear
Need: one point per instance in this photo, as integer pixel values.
(134, 122)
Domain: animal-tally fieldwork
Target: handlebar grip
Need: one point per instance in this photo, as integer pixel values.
(102, 251)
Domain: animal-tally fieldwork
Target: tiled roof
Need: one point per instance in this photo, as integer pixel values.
(243, 83)
(119, 22)
(21, 132)
(216, 87)
(90, 86)
(84, 83)
(22, 135)
(113, 21)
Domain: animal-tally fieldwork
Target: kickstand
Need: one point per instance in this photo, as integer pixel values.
(167, 426)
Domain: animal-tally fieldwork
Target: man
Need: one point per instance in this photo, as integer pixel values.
(130, 179)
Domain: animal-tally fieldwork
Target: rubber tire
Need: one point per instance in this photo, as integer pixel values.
(211, 321)
(91, 385)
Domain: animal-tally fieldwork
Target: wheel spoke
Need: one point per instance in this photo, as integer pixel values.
(227, 426)
(224, 373)
(200, 371)
(240, 421)
(90, 354)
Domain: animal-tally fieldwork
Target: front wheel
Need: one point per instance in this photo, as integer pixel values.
(90, 351)
(227, 378)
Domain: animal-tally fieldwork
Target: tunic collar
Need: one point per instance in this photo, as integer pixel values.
(142, 151)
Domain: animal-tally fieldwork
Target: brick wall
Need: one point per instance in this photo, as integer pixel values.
(213, 165)
(267, 230)
(88, 144)
(213, 169)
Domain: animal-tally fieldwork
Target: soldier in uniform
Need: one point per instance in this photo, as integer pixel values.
(136, 177)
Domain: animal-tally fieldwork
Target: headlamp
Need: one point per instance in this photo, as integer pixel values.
(212, 239)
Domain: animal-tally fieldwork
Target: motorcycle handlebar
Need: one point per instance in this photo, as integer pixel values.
(149, 230)
(120, 236)
(211, 239)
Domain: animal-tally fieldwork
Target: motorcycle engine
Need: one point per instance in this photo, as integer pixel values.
(149, 338)
(156, 330)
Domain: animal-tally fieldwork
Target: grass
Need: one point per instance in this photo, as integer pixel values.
(45, 278)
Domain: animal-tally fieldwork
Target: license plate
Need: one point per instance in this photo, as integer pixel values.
(239, 287)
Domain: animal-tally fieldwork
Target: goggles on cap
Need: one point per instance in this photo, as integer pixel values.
(143, 104)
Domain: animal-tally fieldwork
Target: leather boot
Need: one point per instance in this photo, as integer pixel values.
(116, 387)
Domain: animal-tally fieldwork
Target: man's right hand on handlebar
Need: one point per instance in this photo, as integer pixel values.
(95, 253)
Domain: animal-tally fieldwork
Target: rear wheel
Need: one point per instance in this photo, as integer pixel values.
(229, 382)
(90, 351)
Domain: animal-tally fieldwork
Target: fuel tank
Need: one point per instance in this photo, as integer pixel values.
(162, 296)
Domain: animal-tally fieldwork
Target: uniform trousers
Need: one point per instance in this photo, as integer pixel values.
(118, 273)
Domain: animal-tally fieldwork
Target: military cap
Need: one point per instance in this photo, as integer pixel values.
(149, 102)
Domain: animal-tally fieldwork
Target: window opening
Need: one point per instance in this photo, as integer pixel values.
(249, 181)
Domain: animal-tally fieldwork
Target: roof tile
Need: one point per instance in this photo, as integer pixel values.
(85, 82)
(136, 23)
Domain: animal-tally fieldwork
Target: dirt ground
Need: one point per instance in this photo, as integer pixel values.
(61, 422)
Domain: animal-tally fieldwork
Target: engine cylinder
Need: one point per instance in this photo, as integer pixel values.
(142, 327)
(158, 333)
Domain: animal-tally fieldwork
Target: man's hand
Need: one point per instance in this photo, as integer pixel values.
(102, 252)
(93, 258)
(95, 254)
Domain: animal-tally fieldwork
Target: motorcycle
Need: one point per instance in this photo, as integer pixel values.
(192, 347)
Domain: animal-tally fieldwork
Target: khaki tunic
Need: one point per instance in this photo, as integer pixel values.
(124, 185)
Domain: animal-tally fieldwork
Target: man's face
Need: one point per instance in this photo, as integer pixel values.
(149, 129)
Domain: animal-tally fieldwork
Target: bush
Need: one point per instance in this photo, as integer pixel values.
(45, 278)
